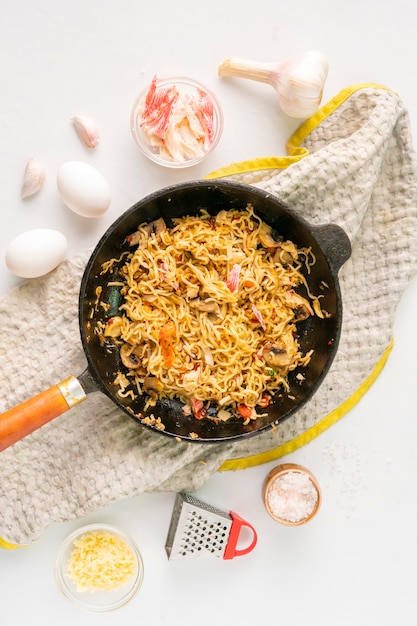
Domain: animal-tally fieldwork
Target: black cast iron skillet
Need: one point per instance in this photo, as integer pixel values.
(331, 247)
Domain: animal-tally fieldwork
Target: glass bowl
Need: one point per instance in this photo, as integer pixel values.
(291, 494)
(98, 596)
(182, 136)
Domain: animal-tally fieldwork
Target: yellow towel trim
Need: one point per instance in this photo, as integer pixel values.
(293, 144)
(295, 151)
(253, 165)
(8, 546)
(314, 431)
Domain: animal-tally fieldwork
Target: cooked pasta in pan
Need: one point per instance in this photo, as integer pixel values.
(209, 312)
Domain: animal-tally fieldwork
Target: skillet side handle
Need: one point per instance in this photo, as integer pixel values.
(23, 419)
(335, 243)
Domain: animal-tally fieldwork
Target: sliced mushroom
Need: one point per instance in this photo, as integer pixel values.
(152, 386)
(300, 306)
(192, 292)
(114, 327)
(276, 356)
(156, 227)
(148, 298)
(134, 238)
(129, 356)
(214, 317)
(286, 253)
(209, 306)
(268, 237)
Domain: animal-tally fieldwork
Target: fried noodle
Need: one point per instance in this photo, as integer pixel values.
(210, 309)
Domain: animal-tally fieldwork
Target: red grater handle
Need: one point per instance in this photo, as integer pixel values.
(231, 551)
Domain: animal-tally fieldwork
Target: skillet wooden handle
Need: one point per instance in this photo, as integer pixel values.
(23, 419)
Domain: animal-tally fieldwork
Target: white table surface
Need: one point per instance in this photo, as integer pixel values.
(353, 564)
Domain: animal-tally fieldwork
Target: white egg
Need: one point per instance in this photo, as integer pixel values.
(83, 189)
(36, 252)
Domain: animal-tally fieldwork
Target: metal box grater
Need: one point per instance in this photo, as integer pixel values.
(199, 529)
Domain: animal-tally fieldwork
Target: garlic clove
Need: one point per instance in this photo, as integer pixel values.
(86, 130)
(299, 82)
(33, 178)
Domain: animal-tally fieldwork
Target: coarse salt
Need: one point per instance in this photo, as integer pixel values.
(292, 496)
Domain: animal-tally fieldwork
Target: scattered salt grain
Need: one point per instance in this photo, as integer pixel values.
(292, 496)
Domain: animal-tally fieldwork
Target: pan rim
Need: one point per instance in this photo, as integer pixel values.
(231, 186)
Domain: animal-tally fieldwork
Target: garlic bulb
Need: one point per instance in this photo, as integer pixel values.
(299, 82)
(86, 130)
(33, 178)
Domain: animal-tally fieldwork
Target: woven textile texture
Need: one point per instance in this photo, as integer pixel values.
(359, 172)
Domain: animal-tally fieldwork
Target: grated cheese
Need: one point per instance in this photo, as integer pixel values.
(100, 560)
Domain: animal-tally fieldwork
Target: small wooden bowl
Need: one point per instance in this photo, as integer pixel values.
(270, 486)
